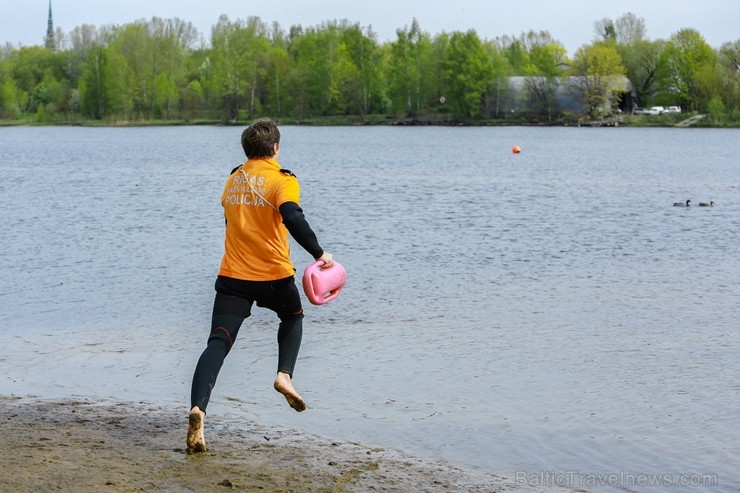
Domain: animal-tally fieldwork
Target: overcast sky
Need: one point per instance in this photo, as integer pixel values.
(23, 22)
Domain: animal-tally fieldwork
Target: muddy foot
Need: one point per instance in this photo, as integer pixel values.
(196, 439)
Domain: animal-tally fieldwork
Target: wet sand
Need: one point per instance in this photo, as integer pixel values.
(89, 446)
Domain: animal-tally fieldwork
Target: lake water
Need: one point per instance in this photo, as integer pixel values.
(548, 316)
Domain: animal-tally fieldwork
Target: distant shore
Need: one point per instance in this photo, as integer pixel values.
(90, 446)
(687, 120)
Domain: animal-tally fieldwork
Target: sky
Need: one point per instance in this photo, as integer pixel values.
(23, 22)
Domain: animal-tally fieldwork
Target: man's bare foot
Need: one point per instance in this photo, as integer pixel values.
(196, 439)
(284, 385)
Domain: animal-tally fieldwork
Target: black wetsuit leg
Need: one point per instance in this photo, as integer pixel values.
(229, 312)
(285, 301)
(233, 303)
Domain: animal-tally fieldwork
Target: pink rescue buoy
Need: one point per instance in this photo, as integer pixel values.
(516, 149)
(323, 284)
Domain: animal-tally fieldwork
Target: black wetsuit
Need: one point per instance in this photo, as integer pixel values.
(233, 304)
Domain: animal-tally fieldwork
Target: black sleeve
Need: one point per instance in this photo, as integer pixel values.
(299, 228)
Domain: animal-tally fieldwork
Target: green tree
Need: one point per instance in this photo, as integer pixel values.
(10, 101)
(730, 55)
(498, 87)
(716, 109)
(198, 96)
(171, 39)
(193, 100)
(105, 85)
(31, 69)
(437, 80)
(729, 60)
(166, 97)
(363, 87)
(641, 57)
(467, 73)
(402, 77)
(277, 97)
(596, 71)
(92, 84)
(118, 84)
(644, 66)
(322, 64)
(239, 53)
(410, 70)
(141, 54)
(687, 55)
(335, 66)
(82, 40)
(516, 54)
(350, 67)
(131, 53)
(543, 73)
(304, 85)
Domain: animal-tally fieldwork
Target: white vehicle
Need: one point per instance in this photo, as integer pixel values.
(655, 110)
(673, 109)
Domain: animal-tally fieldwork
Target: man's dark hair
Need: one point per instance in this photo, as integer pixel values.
(259, 138)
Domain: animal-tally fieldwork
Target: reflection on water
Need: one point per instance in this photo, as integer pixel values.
(546, 311)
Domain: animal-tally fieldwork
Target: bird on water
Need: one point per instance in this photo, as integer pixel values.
(682, 204)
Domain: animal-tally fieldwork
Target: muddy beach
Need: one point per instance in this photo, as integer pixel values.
(89, 446)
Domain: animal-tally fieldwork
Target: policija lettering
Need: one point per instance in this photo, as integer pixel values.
(246, 190)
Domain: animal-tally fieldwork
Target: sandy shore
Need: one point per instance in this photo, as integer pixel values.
(88, 446)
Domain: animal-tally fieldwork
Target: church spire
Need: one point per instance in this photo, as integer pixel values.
(50, 41)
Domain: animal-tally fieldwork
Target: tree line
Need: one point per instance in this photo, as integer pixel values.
(162, 69)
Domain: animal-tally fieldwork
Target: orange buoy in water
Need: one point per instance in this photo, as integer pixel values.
(516, 149)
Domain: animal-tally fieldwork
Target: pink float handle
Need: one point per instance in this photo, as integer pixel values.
(323, 284)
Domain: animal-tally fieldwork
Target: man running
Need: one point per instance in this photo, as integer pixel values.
(261, 204)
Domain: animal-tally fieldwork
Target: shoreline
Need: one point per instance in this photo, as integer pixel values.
(629, 121)
(90, 445)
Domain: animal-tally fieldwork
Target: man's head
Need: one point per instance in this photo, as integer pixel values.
(261, 139)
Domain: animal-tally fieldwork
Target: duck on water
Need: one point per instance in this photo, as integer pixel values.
(682, 204)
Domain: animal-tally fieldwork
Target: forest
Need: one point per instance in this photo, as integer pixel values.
(164, 70)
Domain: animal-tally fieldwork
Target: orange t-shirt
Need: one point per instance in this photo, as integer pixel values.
(256, 246)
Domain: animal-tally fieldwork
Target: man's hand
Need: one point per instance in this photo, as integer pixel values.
(327, 258)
